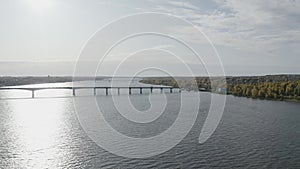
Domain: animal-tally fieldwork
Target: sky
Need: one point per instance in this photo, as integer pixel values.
(46, 37)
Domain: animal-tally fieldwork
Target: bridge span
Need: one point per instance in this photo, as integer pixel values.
(33, 89)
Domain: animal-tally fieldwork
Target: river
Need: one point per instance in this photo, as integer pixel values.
(45, 132)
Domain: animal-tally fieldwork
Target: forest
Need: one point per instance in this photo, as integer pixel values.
(274, 87)
(267, 90)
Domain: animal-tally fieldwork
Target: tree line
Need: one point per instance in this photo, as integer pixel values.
(267, 90)
(275, 87)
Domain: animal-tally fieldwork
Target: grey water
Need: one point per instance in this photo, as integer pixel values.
(45, 132)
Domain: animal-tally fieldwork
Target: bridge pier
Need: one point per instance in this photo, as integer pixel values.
(129, 90)
(74, 94)
(106, 91)
(141, 90)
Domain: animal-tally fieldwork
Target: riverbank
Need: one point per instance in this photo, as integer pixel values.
(270, 99)
(27, 80)
(269, 87)
(16, 81)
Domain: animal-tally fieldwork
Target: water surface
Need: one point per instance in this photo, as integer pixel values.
(45, 133)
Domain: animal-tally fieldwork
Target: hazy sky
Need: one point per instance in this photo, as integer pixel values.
(40, 37)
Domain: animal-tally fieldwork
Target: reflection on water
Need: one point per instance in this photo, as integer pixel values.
(45, 133)
(35, 131)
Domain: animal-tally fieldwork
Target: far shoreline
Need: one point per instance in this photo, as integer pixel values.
(269, 87)
(6, 81)
(30, 80)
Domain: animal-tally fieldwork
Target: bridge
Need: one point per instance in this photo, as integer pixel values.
(33, 89)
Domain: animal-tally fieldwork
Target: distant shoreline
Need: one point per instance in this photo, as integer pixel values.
(269, 87)
(28, 80)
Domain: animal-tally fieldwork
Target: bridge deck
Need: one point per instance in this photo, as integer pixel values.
(33, 89)
(89, 87)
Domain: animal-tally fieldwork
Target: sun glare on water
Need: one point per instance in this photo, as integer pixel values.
(38, 126)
